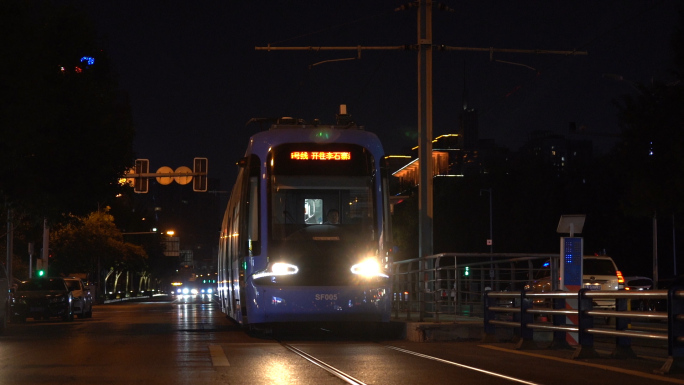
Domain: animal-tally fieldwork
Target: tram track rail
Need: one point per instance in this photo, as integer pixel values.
(349, 379)
(323, 365)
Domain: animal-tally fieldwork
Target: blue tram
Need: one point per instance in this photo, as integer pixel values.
(283, 256)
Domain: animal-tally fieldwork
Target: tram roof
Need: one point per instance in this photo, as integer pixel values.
(261, 142)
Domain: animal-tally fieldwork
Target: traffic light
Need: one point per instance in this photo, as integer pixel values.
(199, 181)
(40, 273)
(141, 184)
(466, 272)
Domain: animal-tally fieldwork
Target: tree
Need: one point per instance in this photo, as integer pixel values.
(92, 244)
(65, 131)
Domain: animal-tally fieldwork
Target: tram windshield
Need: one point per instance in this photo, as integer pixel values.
(322, 200)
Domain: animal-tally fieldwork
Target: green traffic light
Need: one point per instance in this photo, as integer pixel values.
(40, 273)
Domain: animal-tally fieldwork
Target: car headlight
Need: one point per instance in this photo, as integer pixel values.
(193, 291)
(209, 291)
(369, 268)
(277, 269)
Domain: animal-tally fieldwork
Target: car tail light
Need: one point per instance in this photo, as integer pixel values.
(621, 280)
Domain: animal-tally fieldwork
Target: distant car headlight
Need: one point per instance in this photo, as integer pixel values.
(277, 269)
(193, 291)
(369, 268)
(186, 291)
(209, 291)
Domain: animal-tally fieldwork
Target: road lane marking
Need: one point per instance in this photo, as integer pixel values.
(599, 366)
(494, 374)
(218, 356)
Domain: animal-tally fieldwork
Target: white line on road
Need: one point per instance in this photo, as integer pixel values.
(514, 379)
(218, 357)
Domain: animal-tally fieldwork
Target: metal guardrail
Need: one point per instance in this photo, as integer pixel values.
(453, 283)
(520, 313)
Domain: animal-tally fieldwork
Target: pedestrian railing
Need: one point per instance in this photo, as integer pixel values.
(571, 316)
(453, 283)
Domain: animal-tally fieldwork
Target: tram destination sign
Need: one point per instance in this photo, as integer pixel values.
(320, 155)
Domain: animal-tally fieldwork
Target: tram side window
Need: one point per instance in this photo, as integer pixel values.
(253, 225)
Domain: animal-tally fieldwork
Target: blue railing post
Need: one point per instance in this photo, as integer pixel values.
(559, 337)
(675, 330)
(623, 345)
(488, 315)
(526, 333)
(584, 322)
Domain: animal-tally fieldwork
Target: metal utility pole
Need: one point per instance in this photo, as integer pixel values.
(424, 47)
(46, 246)
(425, 195)
(10, 245)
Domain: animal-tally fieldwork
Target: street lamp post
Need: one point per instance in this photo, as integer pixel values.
(490, 241)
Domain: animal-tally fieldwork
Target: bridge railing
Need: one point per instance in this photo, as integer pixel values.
(526, 318)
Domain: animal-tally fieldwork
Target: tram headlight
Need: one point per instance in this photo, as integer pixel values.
(277, 269)
(369, 268)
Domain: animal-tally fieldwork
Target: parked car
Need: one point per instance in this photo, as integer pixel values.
(82, 297)
(640, 284)
(42, 298)
(4, 299)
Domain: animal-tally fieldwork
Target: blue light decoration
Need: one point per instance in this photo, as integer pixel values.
(88, 60)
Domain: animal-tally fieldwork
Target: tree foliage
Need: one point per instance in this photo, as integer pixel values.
(65, 132)
(91, 242)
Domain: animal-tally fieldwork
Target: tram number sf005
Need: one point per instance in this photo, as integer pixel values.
(326, 297)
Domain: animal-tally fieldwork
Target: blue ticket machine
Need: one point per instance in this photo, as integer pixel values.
(572, 249)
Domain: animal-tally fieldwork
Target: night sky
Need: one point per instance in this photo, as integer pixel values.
(194, 78)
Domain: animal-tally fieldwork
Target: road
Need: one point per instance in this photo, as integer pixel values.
(182, 341)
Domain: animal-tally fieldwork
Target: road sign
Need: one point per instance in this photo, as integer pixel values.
(200, 167)
(183, 175)
(141, 185)
(165, 180)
